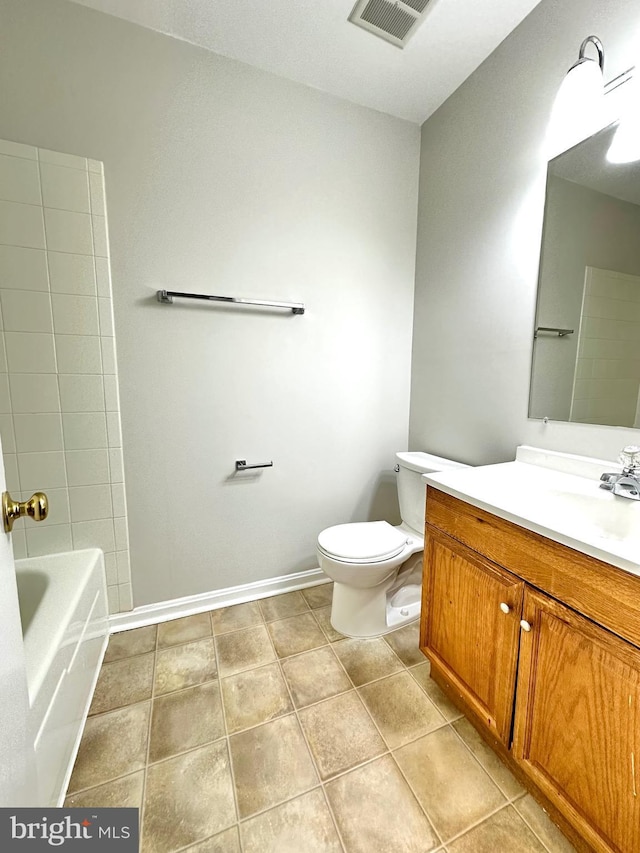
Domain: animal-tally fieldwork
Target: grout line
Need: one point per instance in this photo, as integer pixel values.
(529, 825)
(146, 765)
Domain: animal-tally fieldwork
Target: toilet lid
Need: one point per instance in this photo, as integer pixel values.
(365, 542)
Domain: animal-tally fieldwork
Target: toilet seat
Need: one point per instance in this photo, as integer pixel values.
(362, 542)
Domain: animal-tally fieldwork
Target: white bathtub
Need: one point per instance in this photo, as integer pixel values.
(63, 608)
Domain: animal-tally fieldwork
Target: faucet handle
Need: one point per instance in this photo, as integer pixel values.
(630, 456)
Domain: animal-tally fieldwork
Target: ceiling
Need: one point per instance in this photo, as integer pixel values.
(311, 42)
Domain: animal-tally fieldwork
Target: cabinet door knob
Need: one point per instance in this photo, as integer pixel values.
(525, 625)
(505, 607)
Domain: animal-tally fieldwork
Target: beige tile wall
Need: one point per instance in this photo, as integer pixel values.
(59, 406)
(607, 379)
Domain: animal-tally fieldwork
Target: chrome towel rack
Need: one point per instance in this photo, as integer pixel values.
(559, 332)
(167, 297)
(242, 465)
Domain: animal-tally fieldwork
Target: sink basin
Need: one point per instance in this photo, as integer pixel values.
(563, 503)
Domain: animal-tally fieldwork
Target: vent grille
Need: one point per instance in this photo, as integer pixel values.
(418, 5)
(393, 20)
(388, 17)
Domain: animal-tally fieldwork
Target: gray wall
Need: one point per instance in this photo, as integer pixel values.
(480, 217)
(225, 179)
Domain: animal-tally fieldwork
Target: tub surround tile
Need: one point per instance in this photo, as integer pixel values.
(21, 225)
(64, 189)
(72, 274)
(376, 811)
(281, 606)
(122, 683)
(450, 785)
(303, 824)
(243, 650)
(19, 180)
(400, 709)
(184, 720)
(17, 149)
(405, 642)
(318, 596)
(113, 745)
(499, 772)
(271, 764)
(314, 676)
(187, 629)
(58, 158)
(188, 799)
(236, 617)
(503, 831)
(30, 353)
(367, 660)
(296, 634)
(125, 793)
(23, 269)
(255, 697)
(185, 666)
(340, 734)
(26, 311)
(68, 231)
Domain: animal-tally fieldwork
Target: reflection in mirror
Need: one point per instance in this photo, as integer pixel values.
(586, 355)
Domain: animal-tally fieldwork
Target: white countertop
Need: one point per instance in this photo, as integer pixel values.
(558, 496)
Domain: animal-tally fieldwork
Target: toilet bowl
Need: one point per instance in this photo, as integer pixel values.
(377, 567)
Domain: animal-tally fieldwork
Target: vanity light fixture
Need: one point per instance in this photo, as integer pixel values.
(578, 107)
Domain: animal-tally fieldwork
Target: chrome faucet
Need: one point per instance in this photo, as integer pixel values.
(627, 483)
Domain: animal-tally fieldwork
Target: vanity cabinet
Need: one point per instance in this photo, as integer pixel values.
(473, 628)
(540, 645)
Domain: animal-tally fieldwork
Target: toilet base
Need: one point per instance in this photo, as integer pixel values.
(363, 613)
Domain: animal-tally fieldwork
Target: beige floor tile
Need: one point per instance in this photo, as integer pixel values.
(123, 682)
(185, 666)
(405, 643)
(271, 764)
(314, 676)
(134, 642)
(296, 634)
(188, 799)
(255, 697)
(340, 734)
(318, 596)
(184, 630)
(377, 813)
(323, 618)
(503, 831)
(303, 825)
(125, 793)
(400, 709)
(282, 606)
(542, 825)
(186, 719)
(226, 842)
(244, 650)
(113, 745)
(445, 705)
(236, 617)
(366, 660)
(499, 772)
(450, 785)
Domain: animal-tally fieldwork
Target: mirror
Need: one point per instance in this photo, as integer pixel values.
(586, 354)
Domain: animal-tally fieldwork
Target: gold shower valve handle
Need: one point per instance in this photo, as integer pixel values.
(37, 508)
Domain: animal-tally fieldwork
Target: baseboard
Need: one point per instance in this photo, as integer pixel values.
(150, 614)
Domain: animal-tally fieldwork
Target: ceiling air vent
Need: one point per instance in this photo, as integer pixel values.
(393, 20)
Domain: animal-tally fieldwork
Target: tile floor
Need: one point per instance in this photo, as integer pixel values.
(259, 728)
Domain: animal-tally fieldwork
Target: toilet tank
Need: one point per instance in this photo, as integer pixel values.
(411, 487)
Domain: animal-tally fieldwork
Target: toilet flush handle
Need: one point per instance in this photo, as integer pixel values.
(397, 469)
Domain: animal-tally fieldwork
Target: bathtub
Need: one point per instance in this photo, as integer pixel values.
(63, 610)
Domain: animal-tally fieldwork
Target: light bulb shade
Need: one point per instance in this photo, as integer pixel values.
(625, 147)
(578, 109)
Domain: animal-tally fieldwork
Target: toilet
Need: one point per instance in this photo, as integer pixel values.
(376, 567)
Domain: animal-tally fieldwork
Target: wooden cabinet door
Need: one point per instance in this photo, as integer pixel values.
(577, 724)
(466, 634)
